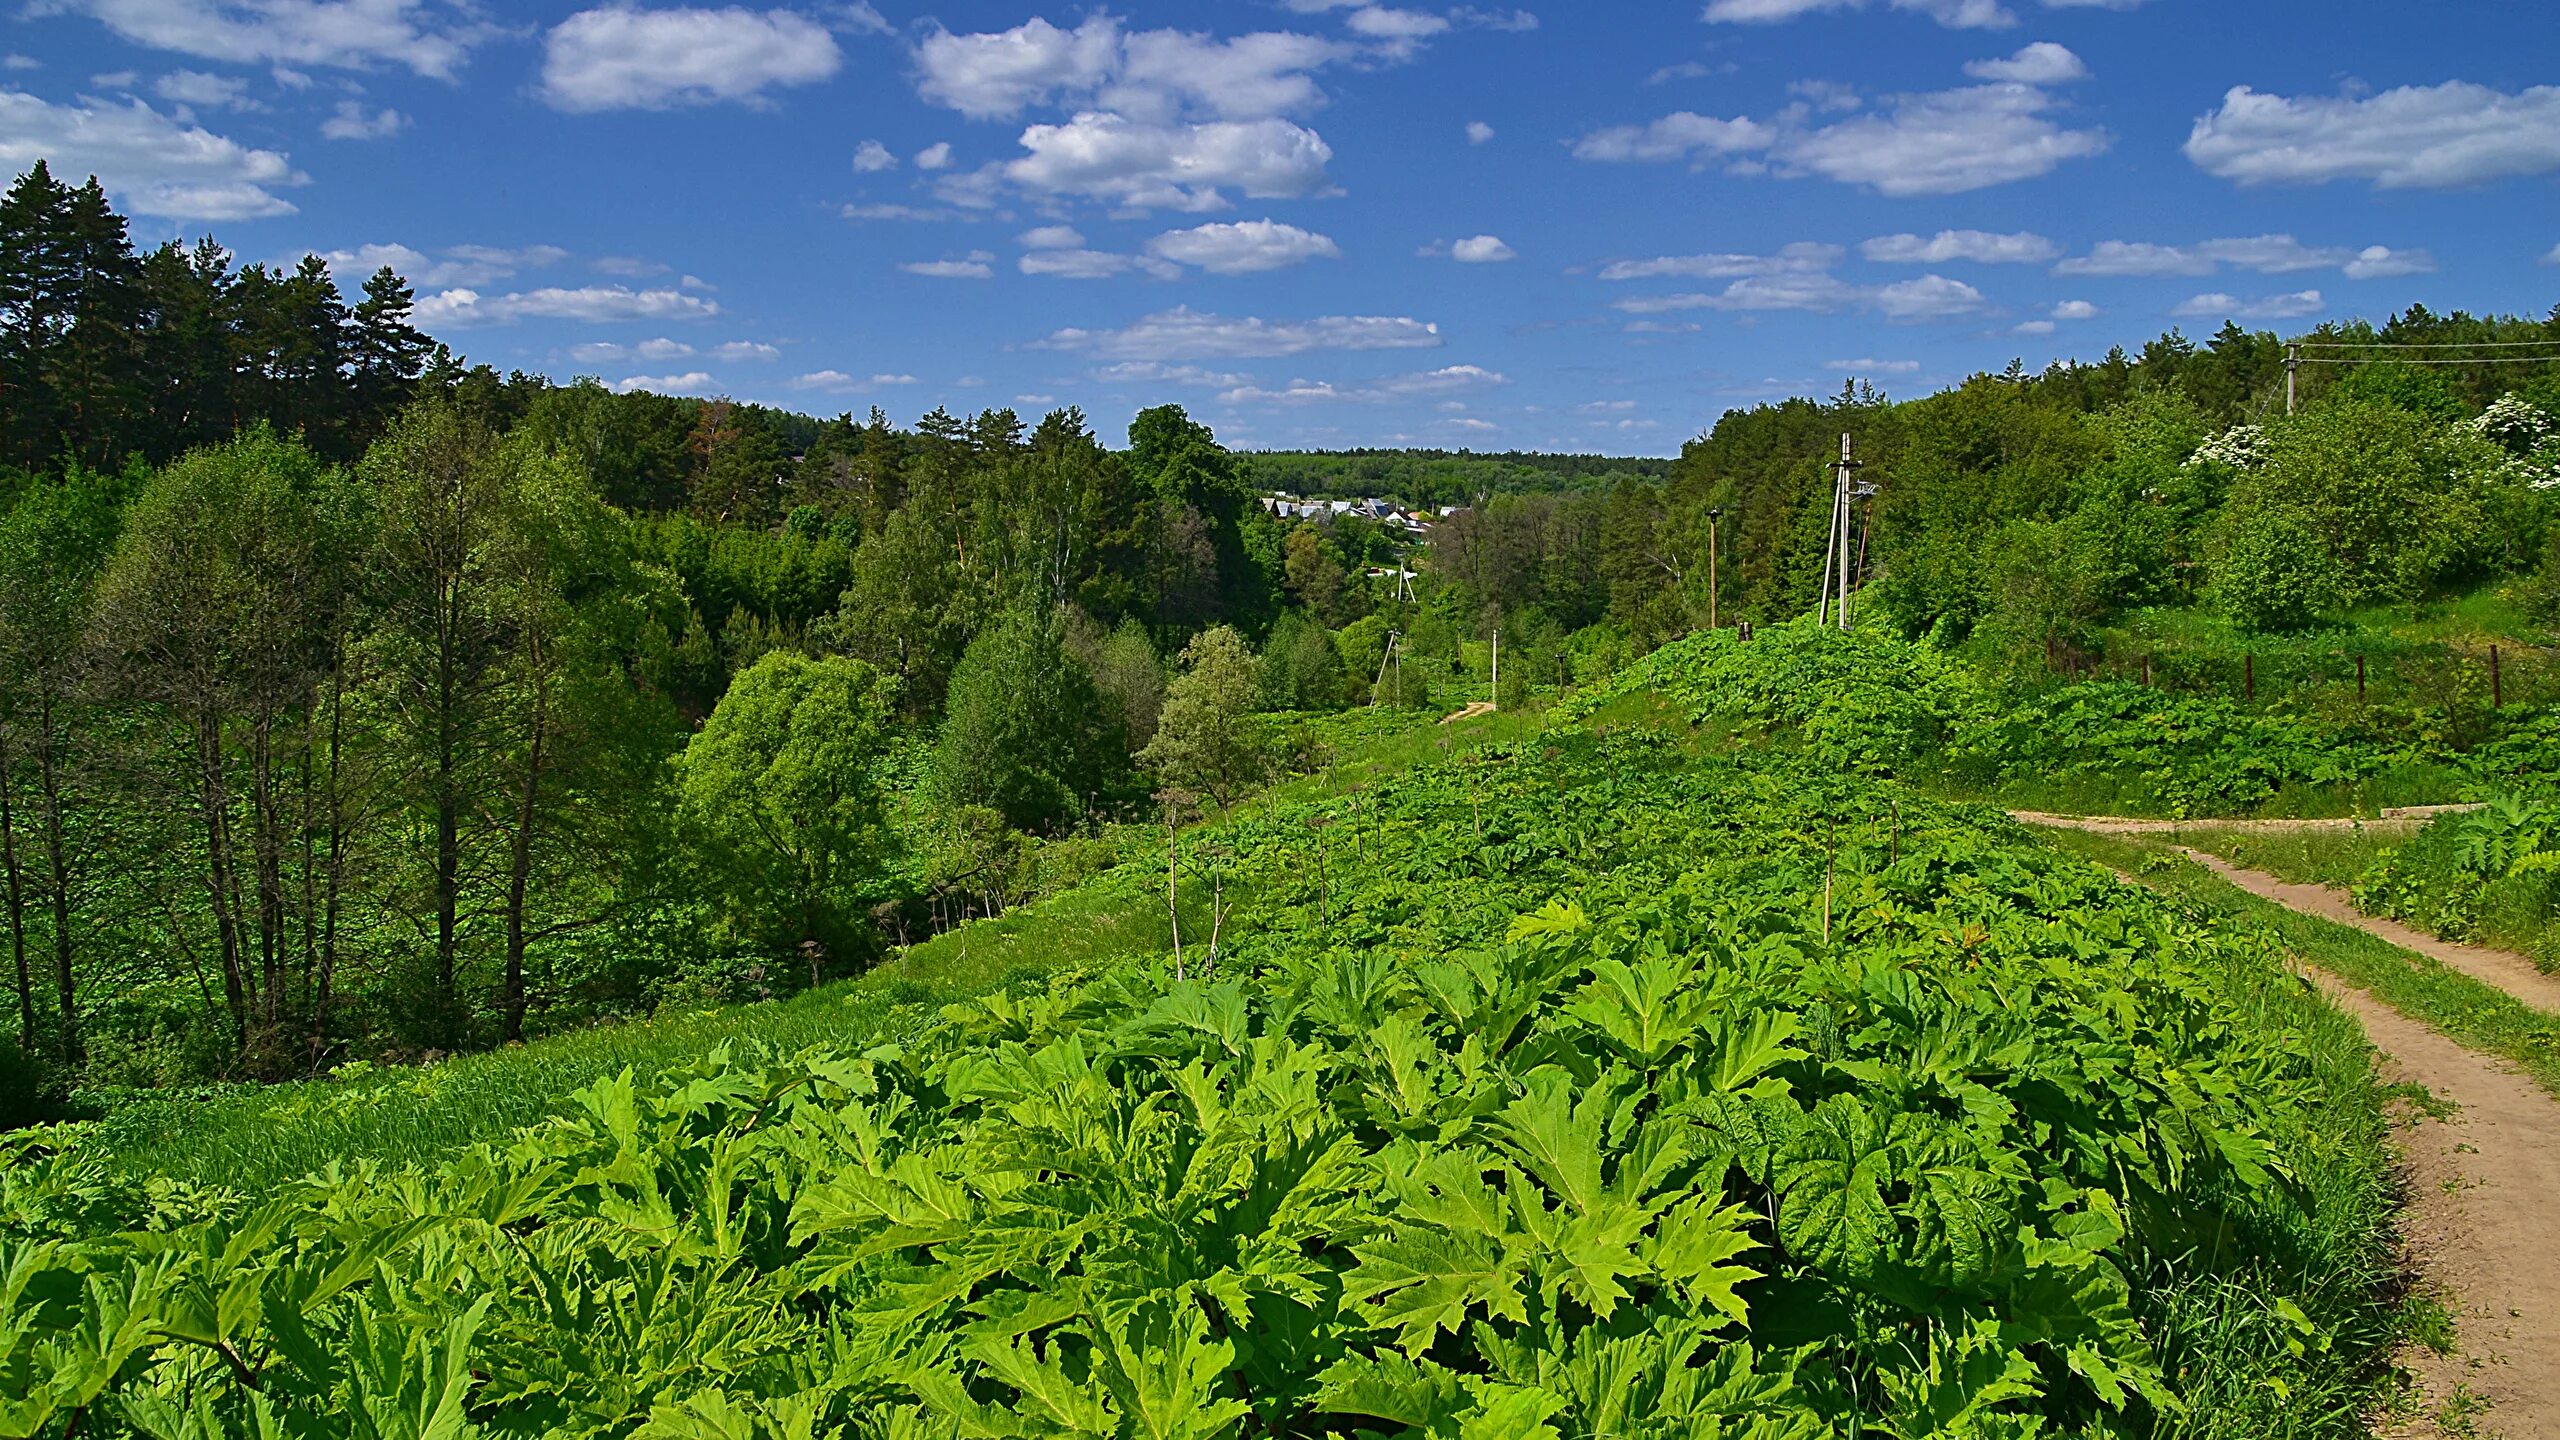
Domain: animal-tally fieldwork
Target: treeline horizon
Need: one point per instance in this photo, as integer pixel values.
(356, 702)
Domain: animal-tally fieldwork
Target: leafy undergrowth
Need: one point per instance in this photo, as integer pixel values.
(1869, 702)
(2470, 1012)
(1578, 1089)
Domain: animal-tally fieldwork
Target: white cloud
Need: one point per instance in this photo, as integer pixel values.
(745, 350)
(2381, 262)
(1681, 135)
(356, 34)
(1482, 250)
(1954, 14)
(991, 76)
(1093, 264)
(601, 352)
(1153, 75)
(1939, 143)
(117, 80)
(1052, 237)
(630, 267)
(1931, 297)
(195, 87)
(2075, 310)
(1942, 143)
(2553, 258)
(2265, 254)
(469, 266)
(871, 157)
(936, 156)
(620, 58)
(2273, 307)
(1875, 367)
(692, 382)
(463, 306)
(154, 164)
(860, 213)
(978, 266)
(1139, 166)
(354, 121)
(1243, 248)
(1479, 133)
(2415, 137)
(1604, 407)
(20, 62)
(1802, 257)
(837, 381)
(1183, 333)
(1450, 380)
(1148, 372)
(1979, 246)
(2042, 63)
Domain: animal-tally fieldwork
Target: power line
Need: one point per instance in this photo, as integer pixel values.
(2423, 344)
(2483, 360)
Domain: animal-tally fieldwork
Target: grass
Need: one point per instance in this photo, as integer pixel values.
(2305, 857)
(2472, 1014)
(254, 1140)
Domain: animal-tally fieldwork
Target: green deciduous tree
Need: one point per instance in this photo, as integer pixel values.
(783, 787)
(1207, 740)
(1026, 733)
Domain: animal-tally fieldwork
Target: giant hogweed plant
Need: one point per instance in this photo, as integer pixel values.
(1676, 1152)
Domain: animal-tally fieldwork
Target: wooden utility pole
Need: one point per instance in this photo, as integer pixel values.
(2292, 372)
(1845, 463)
(1712, 516)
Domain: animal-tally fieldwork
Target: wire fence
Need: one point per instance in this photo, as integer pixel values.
(2456, 679)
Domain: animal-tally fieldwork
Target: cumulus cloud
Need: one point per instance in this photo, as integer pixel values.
(1150, 74)
(871, 157)
(936, 156)
(1681, 135)
(2042, 63)
(2075, 310)
(1183, 333)
(468, 266)
(1979, 246)
(1136, 165)
(426, 38)
(1803, 257)
(1052, 237)
(1243, 248)
(745, 350)
(692, 382)
(605, 352)
(1931, 297)
(979, 265)
(195, 87)
(1479, 133)
(1482, 250)
(620, 58)
(155, 164)
(1082, 264)
(1426, 384)
(1954, 14)
(838, 382)
(2265, 254)
(2553, 258)
(1148, 372)
(463, 306)
(1873, 367)
(357, 121)
(1938, 143)
(2219, 306)
(2414, 137)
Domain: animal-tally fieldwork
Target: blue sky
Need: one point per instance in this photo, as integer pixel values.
(1327, 222)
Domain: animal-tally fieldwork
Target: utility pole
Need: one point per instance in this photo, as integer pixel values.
(1830, 543)
(1497, 669)
(1840, 527)
(1713, 514)
(2292, 370)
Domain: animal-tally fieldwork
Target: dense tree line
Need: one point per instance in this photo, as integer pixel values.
(1439, 478)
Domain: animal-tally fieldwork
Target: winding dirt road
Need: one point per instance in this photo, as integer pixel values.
(2481, 1221)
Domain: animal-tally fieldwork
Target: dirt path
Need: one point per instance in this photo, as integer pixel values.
(2397, 817)
(2481, 1228)
(2480, 1223)
(1480, 707)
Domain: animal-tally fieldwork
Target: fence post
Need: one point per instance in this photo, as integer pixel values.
(2249, 676)
(2359, 680)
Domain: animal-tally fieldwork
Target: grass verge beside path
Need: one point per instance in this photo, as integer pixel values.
(2480, 1017)
(256, 1140)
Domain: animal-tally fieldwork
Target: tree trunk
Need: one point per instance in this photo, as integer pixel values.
(58, 868)
(218, 873)
(520, 864)
(267, 853)
(325, 977)
(448, 821)
(17, 908)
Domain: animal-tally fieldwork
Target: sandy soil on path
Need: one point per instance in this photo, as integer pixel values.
(1480, 707)
(2401, 817)
(2481, 1227)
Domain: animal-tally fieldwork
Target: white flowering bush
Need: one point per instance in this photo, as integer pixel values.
(2515, 424)
(2242, 448)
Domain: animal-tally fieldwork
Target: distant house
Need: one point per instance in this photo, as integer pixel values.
(1381, 512)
